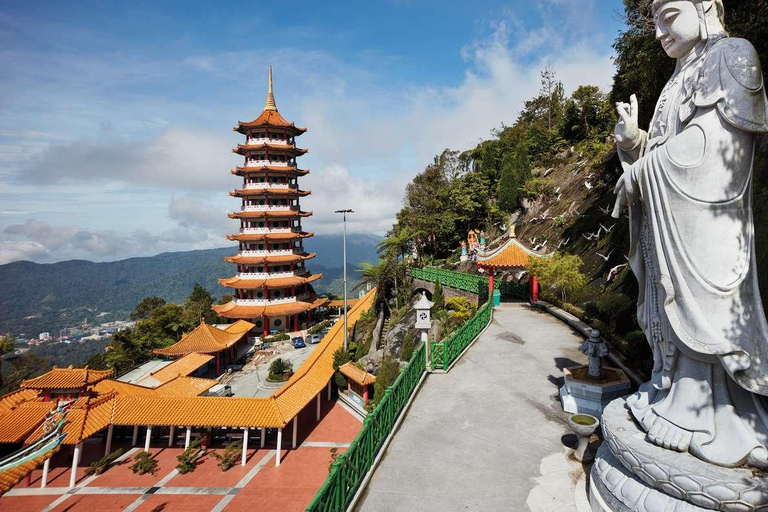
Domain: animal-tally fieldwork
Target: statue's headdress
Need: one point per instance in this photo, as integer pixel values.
(711, 17)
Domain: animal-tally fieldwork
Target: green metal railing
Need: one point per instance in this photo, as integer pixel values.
(469, 283)
(443, 353)
(351, 467)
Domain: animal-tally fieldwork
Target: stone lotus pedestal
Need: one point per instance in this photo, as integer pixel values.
(583, 395)
(632, 475)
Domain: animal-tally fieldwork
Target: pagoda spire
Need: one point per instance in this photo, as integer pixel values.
(270, 105)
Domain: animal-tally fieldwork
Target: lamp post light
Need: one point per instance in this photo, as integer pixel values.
(344, 213)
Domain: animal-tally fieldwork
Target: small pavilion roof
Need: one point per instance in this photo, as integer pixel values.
(355, 374)
(255, 260)
(512, 254)
(255, 237)
(278, 282)
(180, 367)
(205, 339)
(279, 214)
(232, 310)
(66, 378)
(268, 191)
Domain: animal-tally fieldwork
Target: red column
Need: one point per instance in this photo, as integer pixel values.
(490, 283)
(365, 394)
(266, 326)
(295, 322)
(534, 283)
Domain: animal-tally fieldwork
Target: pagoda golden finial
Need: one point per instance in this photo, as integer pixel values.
(270, 94)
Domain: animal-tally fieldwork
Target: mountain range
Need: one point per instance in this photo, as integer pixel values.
(38, 297)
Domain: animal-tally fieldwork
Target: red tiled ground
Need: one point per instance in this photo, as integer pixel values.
(26, 503)
(61, 465)
(120, 475)
(96, 502)
(180, 503)
(336, 424)
(291, 486)
(209, 474)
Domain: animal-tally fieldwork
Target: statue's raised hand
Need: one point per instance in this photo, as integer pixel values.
(627, 131)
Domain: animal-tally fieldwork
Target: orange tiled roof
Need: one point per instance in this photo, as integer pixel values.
(292, 192)
(24, 418)
(12, 476)
(85, 417)
(290, 170)
(185, 386)
(119, 387)
(268, 213)
(269, 118)
(255, 260)
(256, 237)
(205, 339)
(14, 398)
(288, 149)
(66, 378)
(355, 374)
(181, 367)
(339, 303)
(278, 282)
(232, 310)
(512, 254)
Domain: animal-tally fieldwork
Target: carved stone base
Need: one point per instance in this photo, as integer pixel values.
(640, 476)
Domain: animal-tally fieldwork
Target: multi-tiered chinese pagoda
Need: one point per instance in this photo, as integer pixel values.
(272, 285)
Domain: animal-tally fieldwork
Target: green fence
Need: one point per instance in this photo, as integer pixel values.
(351, 467)
(470, 283)
(447, 350)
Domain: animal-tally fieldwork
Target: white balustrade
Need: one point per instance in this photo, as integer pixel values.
(287, 252)
(264, 275)
(264, 302)
(269, 208)
(269, 185)
(249, 162)
(268, 230)
(256, 141)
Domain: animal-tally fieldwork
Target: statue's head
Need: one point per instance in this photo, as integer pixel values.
(682, 24)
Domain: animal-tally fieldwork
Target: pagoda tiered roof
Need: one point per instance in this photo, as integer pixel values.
(257, 237)
(232, 310)
(256, 260)
(283, 149)
(205, 339)
(269, 191)
(66, 378)
(290, 170)
(277, 282)
(287, 214)
(269, 118)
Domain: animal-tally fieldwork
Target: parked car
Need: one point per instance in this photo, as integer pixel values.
(313, 339)
(298, 342)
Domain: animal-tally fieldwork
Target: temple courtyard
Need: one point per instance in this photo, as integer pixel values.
(289, 487)
(488, 435)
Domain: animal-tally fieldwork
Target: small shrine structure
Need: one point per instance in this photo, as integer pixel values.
(359, 382)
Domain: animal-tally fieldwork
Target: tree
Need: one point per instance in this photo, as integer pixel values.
(560, 274)
(6, 347)
(146, 307)
(198, 306)
(340, 357)
(406, 350)
(388, 372)
(587, 113)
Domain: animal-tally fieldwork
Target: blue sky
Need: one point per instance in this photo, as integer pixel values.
(115, 119)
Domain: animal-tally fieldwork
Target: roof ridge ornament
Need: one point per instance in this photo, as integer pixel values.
(270, 105)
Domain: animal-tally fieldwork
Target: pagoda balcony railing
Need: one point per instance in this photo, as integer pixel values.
(287, 252)
(268, 185)
(269, 230)
(274, 163)
(270, 208)
(254, 141)
(264, 275)
(264, 302)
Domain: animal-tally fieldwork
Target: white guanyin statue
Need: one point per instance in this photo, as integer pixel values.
(687, 183)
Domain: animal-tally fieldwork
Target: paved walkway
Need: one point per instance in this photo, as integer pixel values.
(487, 435)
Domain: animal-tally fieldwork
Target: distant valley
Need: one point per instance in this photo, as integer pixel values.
(37, 297)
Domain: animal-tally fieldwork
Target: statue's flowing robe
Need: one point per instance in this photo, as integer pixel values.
(693, 253)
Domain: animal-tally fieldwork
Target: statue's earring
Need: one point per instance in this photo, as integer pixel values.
(701, 11)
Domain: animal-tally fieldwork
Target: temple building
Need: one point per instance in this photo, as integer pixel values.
(272, 285)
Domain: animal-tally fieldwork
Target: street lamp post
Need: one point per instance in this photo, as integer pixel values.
(344, 213)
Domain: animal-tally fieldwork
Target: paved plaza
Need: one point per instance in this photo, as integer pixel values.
(487, 435)
(258, 485)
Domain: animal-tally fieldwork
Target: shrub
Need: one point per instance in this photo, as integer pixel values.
(339, 358)
(319, 327)
(438, 301)
(104, 463)
(280, 366)
(612, 307)
(187, 458)
(406, 351)
(231, 455)
(388, 372)
(560, 274)
(536, 187)
(143, 463)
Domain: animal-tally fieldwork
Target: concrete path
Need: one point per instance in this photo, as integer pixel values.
(487, 435)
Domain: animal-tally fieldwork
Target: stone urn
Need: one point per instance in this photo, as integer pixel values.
(583, 425)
